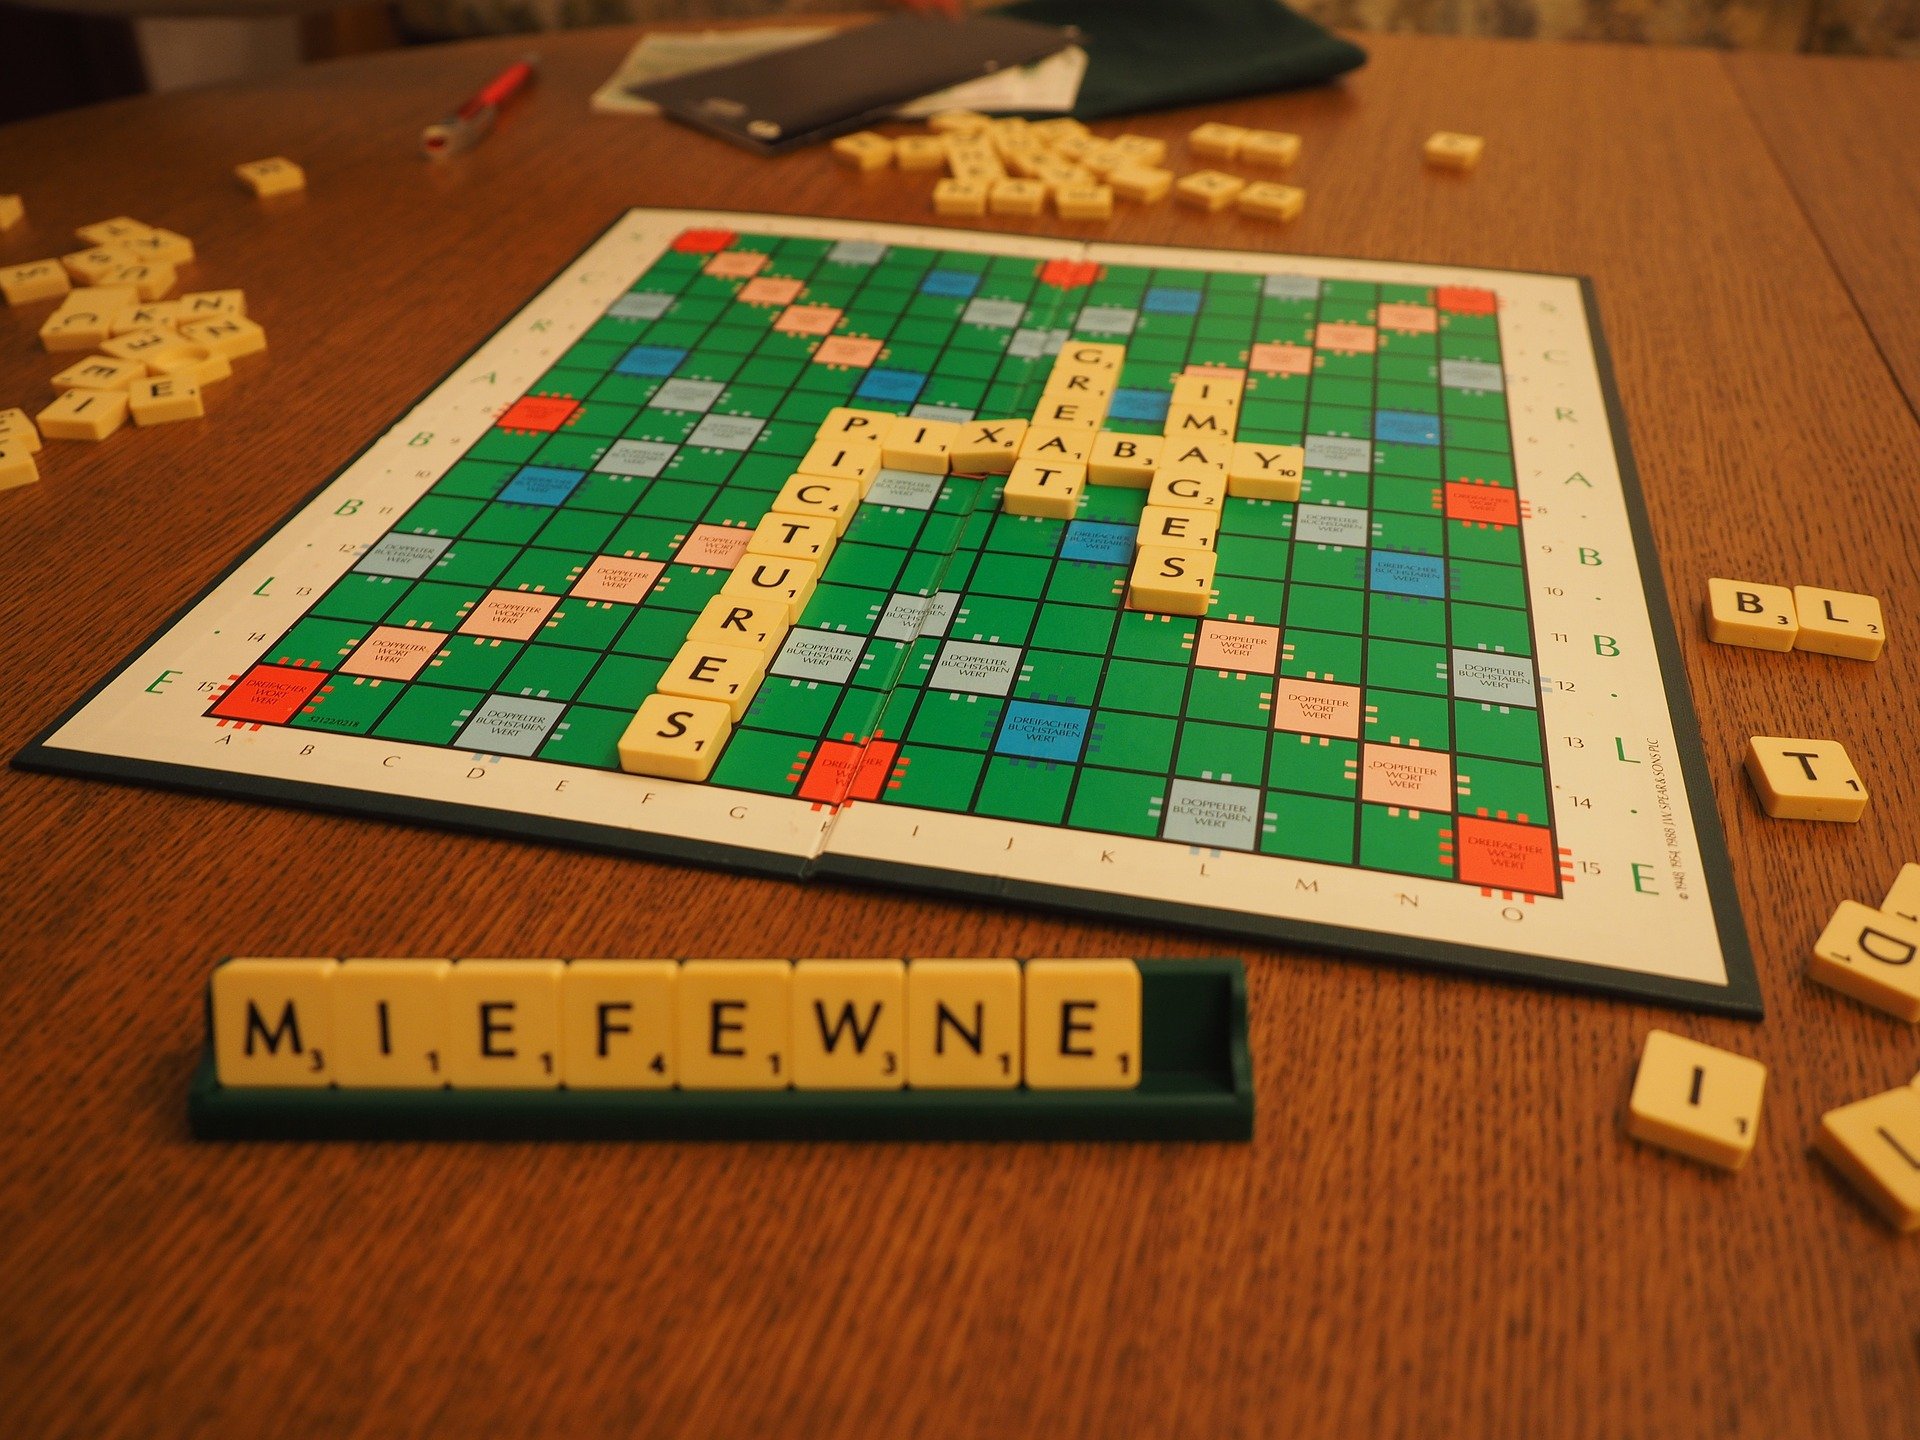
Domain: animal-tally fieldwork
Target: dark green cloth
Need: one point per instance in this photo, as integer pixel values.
(1158, 54)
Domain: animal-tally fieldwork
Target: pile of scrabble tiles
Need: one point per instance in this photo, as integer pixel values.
(1011, 166)
(972, 1024)
(141, 353)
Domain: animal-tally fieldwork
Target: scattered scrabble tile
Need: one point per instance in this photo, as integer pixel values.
(100, 372)
(1696, 1100)
(144, 345)
(920, 152)
(1903, 897)
(1215, 141)
(1143, 183)
(12, 211)
(1875, 1144)
(193, 362)
(207, 304)
(959, 122)
(92, 266)
(233, 336)
(1805, 779)
(1274, 149)
(864, 151)
(1744, 612)
(1140, 150)
(106, 232)
(1084, 202)
(17, 466)
(1065, 127)
(151, 279)
(275, 176)
(1016, 197)
(167, 247)
(16, 427)
(163, 399)
(1448, 150)
(35, 280)
(960, 197)
(84, 415)
(1208, 190)
(1872, 956)
(79, 327)
(1835, 622)
(1265, 200)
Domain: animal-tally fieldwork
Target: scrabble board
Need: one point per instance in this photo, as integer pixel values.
(1434, 711)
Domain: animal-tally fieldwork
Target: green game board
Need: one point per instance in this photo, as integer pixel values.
(1464, 602)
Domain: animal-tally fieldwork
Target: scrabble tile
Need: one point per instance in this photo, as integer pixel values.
(93, 265)
(1077, 382)
(960, 196)
(18, 427)
(1064, 127)
(390, 1024)
(856, 459)
(1201, 422)
(1170, 529)
(1084, 202)
(1872, 956)
(142, 345)
(1141, 150)
(100, 372)
(919, 445)
(151, 279)
(160, 315)
(1205, 390)
(78, 327)
(193, 363)
(106, 232)
(1265, 200)
(1266, 472)
(211, 304)
(1016, 197)
(1171, 582)
(734, 1024)
(1117, 459)
(1834, 622)
(1211, 190)
(920, 152)
(618, 1024)
(1053, 445)
(503, 1024)
(1448, 150)
(1272, 149)
(849, 1024)
(1744, 612)
(819, 498)
(1090, 355)
(1006, 127)
(1064, 411)
(1903, 897)
(959, 122)
(1190, 454)
(1082, 1024)
(1875, 1144)
(12, 211)
(963, 1024)
(1215, 141)
(864, 151)
(163, 399)
(729, 675)
(1804, 779)
(1146, 184)
(675, 738)
(169, 247)
(1043, 487)
(750, 624)
(1187, 488)
(792, 537)
(788, 582)
(1696, 1100)
(84, 415)
(986, 447)
(276, 175)
(34, 280)
(273, 1022)
(846, 424)
(17, 466)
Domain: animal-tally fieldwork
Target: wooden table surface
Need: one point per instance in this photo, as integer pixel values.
(1440, 1229)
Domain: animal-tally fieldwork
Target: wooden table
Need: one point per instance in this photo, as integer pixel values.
(1440, 1229)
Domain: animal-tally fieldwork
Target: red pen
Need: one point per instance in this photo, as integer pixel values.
(466, 127)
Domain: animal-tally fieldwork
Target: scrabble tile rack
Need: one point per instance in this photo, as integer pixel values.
(1196, 1083)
